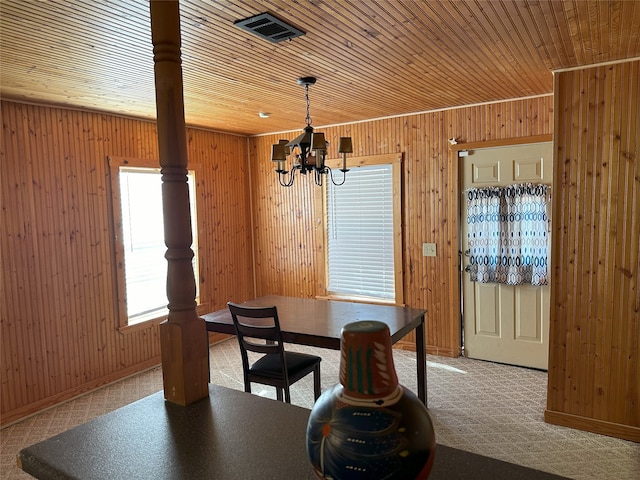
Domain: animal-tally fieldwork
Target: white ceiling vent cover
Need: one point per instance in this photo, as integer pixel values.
(266, 26)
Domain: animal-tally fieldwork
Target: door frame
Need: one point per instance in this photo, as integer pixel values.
(454, 150)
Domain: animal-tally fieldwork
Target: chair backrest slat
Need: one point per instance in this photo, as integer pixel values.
(257, 323)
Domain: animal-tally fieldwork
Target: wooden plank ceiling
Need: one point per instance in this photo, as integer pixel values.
(372, 58)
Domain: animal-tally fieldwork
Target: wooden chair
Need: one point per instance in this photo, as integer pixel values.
(258, 330)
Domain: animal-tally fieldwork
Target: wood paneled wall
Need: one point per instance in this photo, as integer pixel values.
(285, 218)
(594, 365)
(58, 321)
(58, 324)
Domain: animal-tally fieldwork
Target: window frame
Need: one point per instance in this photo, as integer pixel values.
(395, 160)
(120, 287)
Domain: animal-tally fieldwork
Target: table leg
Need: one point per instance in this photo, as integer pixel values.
(421, 360)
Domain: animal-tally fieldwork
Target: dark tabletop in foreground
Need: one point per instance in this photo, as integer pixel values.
(231, 435)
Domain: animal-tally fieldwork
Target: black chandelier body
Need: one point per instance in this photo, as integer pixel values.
(308, 151)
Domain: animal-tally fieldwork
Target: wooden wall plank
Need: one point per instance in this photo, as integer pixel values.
(594, 377)
(59, 325)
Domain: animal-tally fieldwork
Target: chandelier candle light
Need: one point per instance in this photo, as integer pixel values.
(308, 150)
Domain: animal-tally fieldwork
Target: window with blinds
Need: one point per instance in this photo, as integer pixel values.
(142, 234)
(360, 245)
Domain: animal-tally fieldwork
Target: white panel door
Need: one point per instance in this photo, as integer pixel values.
(505, 323)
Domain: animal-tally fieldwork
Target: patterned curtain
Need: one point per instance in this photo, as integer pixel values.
(508, 234)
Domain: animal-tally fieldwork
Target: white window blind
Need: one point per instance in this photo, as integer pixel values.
(360, 234)
(143, 240)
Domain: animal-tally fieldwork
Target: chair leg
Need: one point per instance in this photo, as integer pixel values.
(247, 386)
(287, 394)
(279, 394)
(316, 382)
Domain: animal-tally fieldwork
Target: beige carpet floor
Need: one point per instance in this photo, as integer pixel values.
(490, 409)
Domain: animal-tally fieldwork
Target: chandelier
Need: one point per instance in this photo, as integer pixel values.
(308, 151)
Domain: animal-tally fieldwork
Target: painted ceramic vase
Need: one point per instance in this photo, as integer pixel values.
(368, 426)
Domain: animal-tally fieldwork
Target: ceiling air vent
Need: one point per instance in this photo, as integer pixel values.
(266, 26)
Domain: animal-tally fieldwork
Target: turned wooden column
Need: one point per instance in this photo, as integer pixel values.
(183, 335)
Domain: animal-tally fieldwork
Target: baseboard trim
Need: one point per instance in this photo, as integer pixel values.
(430, 349)
(625, 432)
(405, 345)
(442, 352)
(34, 408)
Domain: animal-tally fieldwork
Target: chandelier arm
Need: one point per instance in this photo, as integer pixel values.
(281, 176)
(344, 176)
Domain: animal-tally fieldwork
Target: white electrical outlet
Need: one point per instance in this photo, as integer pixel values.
(428, 249)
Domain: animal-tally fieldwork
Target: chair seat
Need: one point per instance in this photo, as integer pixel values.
(269, 365)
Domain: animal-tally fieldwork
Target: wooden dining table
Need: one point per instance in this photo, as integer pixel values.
(318, 323)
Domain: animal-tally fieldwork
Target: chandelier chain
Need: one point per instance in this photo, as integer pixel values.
(308, 118)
